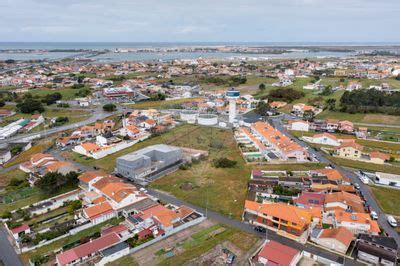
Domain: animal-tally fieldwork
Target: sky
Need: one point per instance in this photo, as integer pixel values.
(199, 21)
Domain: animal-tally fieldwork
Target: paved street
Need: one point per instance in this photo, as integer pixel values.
(240, 225)
(7, 253)
(277, 122)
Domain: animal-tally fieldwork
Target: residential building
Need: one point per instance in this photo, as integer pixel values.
(350, 150)
(323, 139)
(275, 253)
(336, 239)
(344, 201)
(299, 125)
(288, 220)
(377, 250)
(387, 179)
(84, 252)
(273, 143)
(356, 222)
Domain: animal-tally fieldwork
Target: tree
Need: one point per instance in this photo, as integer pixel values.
(262, 86)
(308, 115)
(331, 104)
(109, 107)
(262, 108)
(29, 106)
(15, 150)
(73, 206)
(52, 98)
(2, 103)
(286, 94)
(53, 182)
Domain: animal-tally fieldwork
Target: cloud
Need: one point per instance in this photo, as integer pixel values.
(201, 20)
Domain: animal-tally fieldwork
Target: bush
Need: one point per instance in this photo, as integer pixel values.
(109, 107)
(224, 163)
(286, 94)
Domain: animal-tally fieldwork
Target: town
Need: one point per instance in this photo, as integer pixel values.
(175, 162)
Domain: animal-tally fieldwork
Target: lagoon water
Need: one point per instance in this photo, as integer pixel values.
(48, 51)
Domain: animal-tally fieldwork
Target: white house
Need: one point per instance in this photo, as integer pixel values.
(323, 139)
(299, 125)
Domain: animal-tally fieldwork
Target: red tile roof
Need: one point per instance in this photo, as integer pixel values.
(278, 254)
(87, 249)
(20, 229)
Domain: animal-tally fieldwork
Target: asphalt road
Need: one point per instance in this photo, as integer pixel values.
(7, 252)
(240, 225)
(370, 199)
(98, 114)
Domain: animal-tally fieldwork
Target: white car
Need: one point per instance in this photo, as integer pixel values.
(356, 185)
(392, 221)
(374, 215)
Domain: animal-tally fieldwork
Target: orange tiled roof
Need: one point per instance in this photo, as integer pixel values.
(90, 147)
(380, 155)
(283, 211)
(352, 200)
(351, 144)
(276, 137)
(341, 234)
(360, 218)
(164, 215)
(39, 156)
(57, 165)
(90, 175)
(331, 174)
(98, 209)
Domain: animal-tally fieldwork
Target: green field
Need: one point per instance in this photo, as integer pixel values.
(388, 199)
(361, 118)
(205, 240)
(160, 104)
(67, 93)
(14, 173)
(365, 166)
(124, 261)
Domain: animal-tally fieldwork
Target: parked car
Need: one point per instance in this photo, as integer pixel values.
(260, 229)
(230, 259)
(392, 221)
(374, 215)
(356, 185)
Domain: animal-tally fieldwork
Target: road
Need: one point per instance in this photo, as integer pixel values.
(7, 252)
(240, 225)
(97, 114)
(370, 199)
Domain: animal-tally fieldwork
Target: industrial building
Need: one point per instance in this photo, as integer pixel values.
(146, 164)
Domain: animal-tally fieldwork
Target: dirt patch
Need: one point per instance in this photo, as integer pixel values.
(218, 255)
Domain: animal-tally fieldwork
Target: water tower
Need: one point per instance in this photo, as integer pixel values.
(232, 95)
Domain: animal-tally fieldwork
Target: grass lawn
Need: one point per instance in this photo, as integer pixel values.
(64, 241)
(365, 166)
(67, 93)
(124, 261)
(361, 118)
(388, 199)
(204, 241)
(379, 145)
(6, 176)
(160, 104)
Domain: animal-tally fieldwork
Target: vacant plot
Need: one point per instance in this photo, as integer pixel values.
(381, 145)
(5, 177)
(365, 166)
(361, 118)
(161, 104)
(203, 241)
(124, 261)
(388, 199)
(67, 93)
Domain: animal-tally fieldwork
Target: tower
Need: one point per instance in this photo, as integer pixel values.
(232, 95)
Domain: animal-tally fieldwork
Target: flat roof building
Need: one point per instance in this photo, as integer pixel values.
(139, 165)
